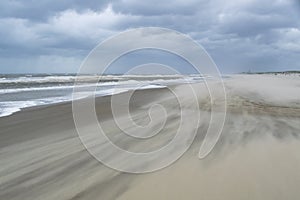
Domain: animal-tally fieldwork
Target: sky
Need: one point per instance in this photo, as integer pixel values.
(54, 36)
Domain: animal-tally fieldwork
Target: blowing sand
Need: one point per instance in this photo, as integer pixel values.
(257, 156)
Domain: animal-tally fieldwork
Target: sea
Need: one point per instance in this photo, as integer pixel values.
(19, 91)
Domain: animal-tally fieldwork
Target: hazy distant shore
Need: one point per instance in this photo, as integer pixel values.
(291, 72)
(257, 156)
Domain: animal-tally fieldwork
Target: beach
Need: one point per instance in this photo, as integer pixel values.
(256, 157)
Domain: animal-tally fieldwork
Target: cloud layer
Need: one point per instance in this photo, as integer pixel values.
(240, 35)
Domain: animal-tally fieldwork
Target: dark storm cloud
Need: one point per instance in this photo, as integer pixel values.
(158, 7)
(42, 10)
(257, 18)
(239, 34)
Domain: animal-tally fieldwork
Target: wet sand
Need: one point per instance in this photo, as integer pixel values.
(257, 156)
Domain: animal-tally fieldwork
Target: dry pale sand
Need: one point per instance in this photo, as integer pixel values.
(257, 156)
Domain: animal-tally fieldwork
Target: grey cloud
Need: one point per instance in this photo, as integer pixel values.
(42, 10)
(158, 7)
(238, 34)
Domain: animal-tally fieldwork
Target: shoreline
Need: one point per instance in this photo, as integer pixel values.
(256, 157)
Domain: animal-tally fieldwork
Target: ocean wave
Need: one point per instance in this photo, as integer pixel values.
(9, 107)
(82, 78)
(20, 95)
(109, 83)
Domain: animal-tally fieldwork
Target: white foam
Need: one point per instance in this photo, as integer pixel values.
(9, 107)
(112, 87)
(112, 83)
(85, 78)
(30, 79)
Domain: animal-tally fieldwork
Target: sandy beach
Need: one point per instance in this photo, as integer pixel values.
(257, 156)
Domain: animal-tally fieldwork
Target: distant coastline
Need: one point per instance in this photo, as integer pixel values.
(274, 72)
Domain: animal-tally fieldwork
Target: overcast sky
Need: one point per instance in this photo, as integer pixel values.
(55, 36)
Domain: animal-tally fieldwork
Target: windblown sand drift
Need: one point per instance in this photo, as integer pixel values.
(257, 156)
